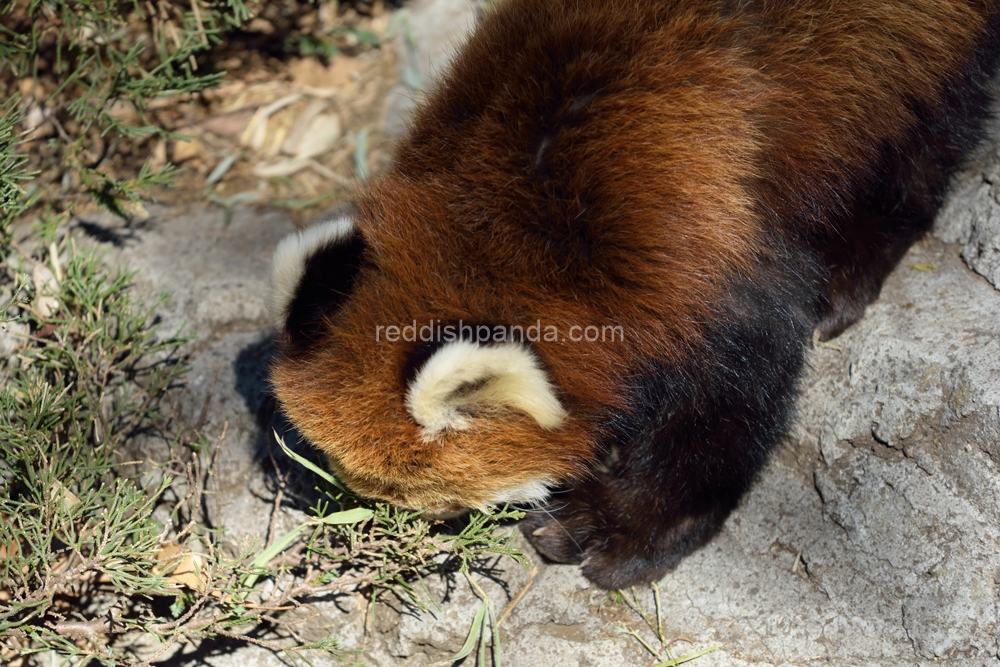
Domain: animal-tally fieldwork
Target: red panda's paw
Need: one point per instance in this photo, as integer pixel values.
(556, 539)
(618, 556)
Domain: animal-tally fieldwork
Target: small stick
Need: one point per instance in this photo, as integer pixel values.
(520, 594)
(659, 612)
(278, 497)
(203, 417)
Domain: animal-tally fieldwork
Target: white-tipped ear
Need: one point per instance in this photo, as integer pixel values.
(290, 257)
(462, 376)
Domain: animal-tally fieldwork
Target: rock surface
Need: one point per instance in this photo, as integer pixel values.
(972, 215)
(872, 538)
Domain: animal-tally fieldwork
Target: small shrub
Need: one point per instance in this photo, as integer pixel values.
(104, 560)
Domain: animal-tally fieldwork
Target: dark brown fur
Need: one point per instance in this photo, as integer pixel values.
(718, 178)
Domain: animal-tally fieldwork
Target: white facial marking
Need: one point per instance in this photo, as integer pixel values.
(290, 257)
(533, 492)
(504, 375)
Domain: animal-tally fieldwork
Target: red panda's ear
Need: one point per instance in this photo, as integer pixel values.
(312, 274)
(462, 378)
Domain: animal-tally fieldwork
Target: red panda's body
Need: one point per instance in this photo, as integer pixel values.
(715, 180)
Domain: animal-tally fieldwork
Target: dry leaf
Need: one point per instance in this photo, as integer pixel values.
(159, 158)
(123, 110)
(186, 150)
(230, 124)
(342, 70)
(260, 25)
(9, 548)
(301, 124)
(311, 72)
(322, 132)
(256, 132)
(923, 267)
(34, 118)
(183, 567)
(60, 492)
(46, 286)
(279, 169)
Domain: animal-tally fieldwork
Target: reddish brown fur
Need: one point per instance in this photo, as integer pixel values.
(707, 125)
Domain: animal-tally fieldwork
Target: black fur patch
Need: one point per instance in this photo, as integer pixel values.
(697, 436)
(326, 283)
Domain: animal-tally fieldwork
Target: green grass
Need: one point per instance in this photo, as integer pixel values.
(96, 551)
(110, 561)
(79, 60)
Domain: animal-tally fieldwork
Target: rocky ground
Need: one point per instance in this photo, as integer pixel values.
(873, 537)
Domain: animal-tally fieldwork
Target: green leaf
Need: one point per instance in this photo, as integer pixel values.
(361, 156)
(337, 518)
(356, 515)
(474, 632)
(309, 464)
(482, 640)
(689, 657)
(366, 36)
(279, 545)
(497, 654)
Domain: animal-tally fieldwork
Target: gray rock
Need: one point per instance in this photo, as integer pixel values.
(426, 35)
(430, 31)
(217, 277)
(400, 104)
(13, 336)
(971, 216)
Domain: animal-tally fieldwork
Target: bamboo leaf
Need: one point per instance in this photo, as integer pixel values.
(356, 515)
(474, 632)
(689, 657)
(309, 464)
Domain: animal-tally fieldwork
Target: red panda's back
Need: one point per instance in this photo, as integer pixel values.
(652, 142)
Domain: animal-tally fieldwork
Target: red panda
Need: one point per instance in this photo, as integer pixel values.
(711, 182)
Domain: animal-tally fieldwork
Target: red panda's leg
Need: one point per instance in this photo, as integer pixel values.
(859, 261)
(667, 496)
(909, 186)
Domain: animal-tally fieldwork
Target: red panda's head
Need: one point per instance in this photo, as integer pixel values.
(392, 364)
(545, 183)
